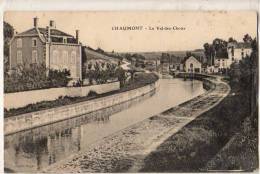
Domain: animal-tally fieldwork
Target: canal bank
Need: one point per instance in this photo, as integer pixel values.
(35, 119)
(125, 151)
(35, 149)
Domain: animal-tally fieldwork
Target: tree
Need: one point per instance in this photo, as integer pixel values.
(120, 73)
(8, 34)
(208, 51)
(231, 39)
(247, 38)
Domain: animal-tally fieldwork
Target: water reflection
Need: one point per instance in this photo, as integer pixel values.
(34, 149)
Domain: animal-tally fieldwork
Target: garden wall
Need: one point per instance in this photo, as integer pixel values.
(21, 99)
(39, 118)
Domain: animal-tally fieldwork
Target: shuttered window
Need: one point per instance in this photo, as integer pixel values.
(65, 57)
(73, 58)
(19, 43)
(19, 57)
(55, 57)
(34, 56)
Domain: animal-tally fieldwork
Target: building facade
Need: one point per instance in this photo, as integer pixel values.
(50, 46)
(238, 51)
(192, 65)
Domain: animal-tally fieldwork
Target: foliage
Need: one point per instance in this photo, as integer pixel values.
(101, 73)
(244, 78)
(218, 48)
(8, 34)
(121, 75)
(33, 77)
(231, 39)
(247, 38)
(59, 78)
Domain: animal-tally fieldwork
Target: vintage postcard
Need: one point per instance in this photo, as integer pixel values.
(130, 91)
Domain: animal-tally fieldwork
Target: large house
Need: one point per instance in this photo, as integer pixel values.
(55, 48)
(235, 52)
(238, 50)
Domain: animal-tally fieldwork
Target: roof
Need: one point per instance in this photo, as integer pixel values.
(54, 31)
(186, 58)
(192, 57)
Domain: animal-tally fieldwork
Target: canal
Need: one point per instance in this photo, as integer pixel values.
(35, 149)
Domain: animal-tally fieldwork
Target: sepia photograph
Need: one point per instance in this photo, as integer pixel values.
(130, 91)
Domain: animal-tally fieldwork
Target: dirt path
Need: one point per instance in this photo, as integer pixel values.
(124, 151)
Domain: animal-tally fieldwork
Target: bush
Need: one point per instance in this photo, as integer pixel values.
(33, 77)
(92, 93)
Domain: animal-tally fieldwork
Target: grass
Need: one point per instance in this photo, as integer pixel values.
(194, 145)
(139, 81)
(240, 153)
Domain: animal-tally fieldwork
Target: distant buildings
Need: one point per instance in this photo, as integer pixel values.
(55, 48)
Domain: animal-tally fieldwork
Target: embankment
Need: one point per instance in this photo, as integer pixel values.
(34, 96)
(39, 118)
(128, 149)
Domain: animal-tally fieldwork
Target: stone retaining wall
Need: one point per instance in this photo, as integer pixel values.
(40, 118)
(21, 99)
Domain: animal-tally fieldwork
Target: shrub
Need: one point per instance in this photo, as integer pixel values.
(34, 76)
(92, 93)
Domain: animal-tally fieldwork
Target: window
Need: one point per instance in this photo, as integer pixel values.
(55, 57)
(73, 72)
(73, 57)
(34, 56)
(64, 40)
(19, 43)
(65, 57)
(34, 42)
(19, 57)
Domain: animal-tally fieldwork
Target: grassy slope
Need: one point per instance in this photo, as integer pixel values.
(240, 153)
(193, 146)
(155, 55)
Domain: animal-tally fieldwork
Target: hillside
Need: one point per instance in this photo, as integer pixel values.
(156, 55)
(91, 54)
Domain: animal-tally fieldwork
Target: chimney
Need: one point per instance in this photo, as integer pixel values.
(35, 22)
(77, 36)
(52, 24)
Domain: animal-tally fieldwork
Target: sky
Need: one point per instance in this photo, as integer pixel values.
(96, 27)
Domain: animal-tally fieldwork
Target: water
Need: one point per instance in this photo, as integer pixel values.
(32, 150)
